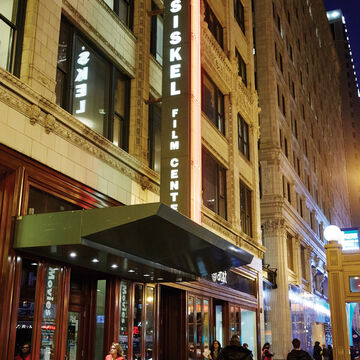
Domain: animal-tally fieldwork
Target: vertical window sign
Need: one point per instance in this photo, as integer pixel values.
(181, 115)
(48, 325)
(350, 239)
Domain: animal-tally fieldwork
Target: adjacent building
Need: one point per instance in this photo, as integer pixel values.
(88, 255)
(303, 173)
(350, 109)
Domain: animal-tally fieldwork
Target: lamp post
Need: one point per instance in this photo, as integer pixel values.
(334, 259)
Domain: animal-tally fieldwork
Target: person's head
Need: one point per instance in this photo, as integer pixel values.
(266, 346)
(329, 347)
(235, 340)
(116, 349)
(296, 343)
(216, 345)
(26, 348)
(317, 343)
(245, 345)
(324, 346)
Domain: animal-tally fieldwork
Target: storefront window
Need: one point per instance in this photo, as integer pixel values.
(149, 331)
(248, 330)
(49, 316)
(137, 325)
(72, 335)
(206, 325)
(219, 331)
(100, 317)
(24, 326)
(124, 316)
(267, 312)
(234, 320)
(310, 318)
(191, 326)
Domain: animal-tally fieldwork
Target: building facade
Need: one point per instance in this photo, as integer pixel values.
(350, 108)
(86, 257)
(303, 173)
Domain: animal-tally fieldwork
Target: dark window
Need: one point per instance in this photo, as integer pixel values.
(91, 88)
(283, 108)
(12, 16)
(213, 185)
(281, 63)
(124, 9)
(154, 139)
(239, 14)
(303, 262)
(241, 67)
(290, 253)
(245, 209)
(286, 147)
(243, 132)
(213, 103)
(288, 192)
(214, 25)
(156, 42)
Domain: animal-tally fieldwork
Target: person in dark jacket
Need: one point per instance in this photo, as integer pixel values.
(331, 355)
(317, 351)
(296, 353)
(234, 351)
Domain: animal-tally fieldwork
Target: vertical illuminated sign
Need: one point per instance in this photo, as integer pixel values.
(181, 109)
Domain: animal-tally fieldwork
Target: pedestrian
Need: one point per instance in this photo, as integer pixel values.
(267, 355)
(215, 350)
(234, 351)
(331, 356)
(317, 351)
(25, 352)
(325, 352)
(246, 346)
(116, 352)
(296, 353)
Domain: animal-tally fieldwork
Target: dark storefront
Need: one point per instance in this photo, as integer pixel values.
(73, 288)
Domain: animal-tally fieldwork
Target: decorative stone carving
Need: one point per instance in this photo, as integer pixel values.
(34, 114)
(49, 123)
(144, 182)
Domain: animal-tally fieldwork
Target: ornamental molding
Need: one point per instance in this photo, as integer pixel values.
(215, 61)
(100, 39)
(41, 111)
(220, 226)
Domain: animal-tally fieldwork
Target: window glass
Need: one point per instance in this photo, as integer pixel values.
(156, 42)
(290, 255)
(191, 324)
(248, 330)
(137, 325)
(8, 8)
(49, 317)
(25, 320)
(100, 317)
(206, 325)
(214, 25)
(245, 209)
(239, 14)
(234, 320)
(91, 87)
(6, 36)
(149, 331)
(72, 343)
(124, 316)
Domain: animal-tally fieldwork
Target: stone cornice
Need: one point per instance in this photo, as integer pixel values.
(47, 114)
(225, 229)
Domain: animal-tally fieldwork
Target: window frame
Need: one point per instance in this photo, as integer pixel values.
(239, 14)
(214, 26)
(243, 137)
(246, 216)
(242, 70)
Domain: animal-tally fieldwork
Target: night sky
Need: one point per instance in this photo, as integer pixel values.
(351, 12)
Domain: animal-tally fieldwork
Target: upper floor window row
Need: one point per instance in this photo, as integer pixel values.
(91, 88)
(214, 25)
(12, 14)
(124, 9)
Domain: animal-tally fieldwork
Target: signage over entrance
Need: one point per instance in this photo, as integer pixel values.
(351, 239)
(181, 117)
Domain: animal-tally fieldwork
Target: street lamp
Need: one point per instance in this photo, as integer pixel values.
(333, 233)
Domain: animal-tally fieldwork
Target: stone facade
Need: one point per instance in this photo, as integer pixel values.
(301, 154)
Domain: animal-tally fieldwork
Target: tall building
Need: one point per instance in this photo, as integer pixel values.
(88, 256)
(350, 109)
(302, 160)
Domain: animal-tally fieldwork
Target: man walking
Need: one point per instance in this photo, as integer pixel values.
(296, 353)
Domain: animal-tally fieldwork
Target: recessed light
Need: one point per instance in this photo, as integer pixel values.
(146, 275)
(159, 279)
(73, 254)
(34, 264)
(94, 260)
(131, 270)
(114, 266)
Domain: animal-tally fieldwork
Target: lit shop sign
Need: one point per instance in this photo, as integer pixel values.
(219, 277)
(49, 295)
(351, 239)
(81, 78)
(177, 149)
